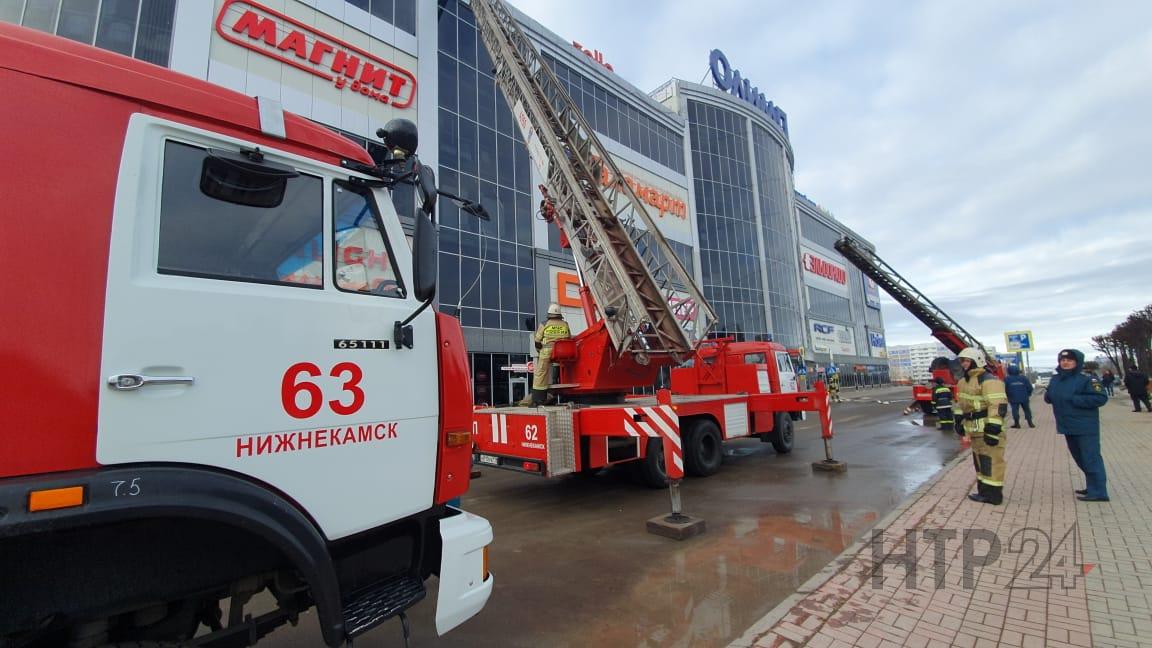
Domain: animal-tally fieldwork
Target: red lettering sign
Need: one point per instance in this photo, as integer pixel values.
(664, 202)
(275, 35)
(826, 269)
(595, 55)
(298, 440)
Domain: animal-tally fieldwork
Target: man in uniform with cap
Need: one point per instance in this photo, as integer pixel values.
(1076, 399)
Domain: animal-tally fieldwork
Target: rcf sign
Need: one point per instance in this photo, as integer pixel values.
(294, 43)
(823, 273)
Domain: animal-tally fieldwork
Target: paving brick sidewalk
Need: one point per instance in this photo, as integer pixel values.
(1066, 573)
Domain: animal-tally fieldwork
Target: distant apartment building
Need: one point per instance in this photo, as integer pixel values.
(910, 362)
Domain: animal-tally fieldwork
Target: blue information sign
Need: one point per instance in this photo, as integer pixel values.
(1019, 341)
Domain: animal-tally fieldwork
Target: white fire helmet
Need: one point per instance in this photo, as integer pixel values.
(973, 354)
(553, 308)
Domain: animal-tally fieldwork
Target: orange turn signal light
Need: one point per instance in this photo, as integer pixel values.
(457, 439)
(487, 573)
(55, 498)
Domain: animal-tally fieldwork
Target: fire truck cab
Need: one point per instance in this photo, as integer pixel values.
(723, 367)
(221, 378)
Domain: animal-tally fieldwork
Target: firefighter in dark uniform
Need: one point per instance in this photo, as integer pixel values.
(983, 406)
(942, 399)
(554, 328)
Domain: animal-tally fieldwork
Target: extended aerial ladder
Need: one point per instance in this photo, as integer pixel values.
(944, 328)
(646, 311)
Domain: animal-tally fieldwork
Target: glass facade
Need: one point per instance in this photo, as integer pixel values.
(774, 185)
(726, 220)
(401, 13)
(818, 232)
(494, 382)
(486, 267)
(619, 120)
(137, 28)
(829, 306)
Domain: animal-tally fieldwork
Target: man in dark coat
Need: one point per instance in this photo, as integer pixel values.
(1019, 390)
(1136, 382)
(1076, 400)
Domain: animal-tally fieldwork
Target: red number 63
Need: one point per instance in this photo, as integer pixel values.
(292, 385)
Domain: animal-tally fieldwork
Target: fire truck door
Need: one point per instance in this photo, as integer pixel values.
(787, 372)
(253, 332)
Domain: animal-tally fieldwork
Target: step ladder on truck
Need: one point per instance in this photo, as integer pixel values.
(943, 328)
(644, 312)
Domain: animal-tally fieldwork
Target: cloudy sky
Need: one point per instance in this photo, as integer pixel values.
(998, 154)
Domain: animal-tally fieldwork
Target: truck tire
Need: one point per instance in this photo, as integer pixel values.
(703, 448)
(650, 470)
(783, 436)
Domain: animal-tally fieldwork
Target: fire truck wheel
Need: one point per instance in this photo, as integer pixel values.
(650, 470)
(703, 449)
(783, 435)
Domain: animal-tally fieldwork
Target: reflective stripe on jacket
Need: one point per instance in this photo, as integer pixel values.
(981, 392)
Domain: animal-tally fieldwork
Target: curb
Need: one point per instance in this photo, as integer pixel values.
(840, 562)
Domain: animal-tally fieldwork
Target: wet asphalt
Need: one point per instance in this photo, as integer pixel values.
(574, 565)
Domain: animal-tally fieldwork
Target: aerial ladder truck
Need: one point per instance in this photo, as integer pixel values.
(644, 313)
(944, 328)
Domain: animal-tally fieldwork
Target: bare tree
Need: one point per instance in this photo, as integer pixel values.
(1130, 341)
(1108, 345)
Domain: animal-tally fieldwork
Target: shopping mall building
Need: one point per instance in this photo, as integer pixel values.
(713, 163)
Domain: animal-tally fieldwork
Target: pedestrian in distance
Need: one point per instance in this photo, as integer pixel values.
(982, 407)
(1108, 381)
(1076, 399)
(554, 328)
(942, 399)
(1136, 382)
(834, 384)
(1019, 390)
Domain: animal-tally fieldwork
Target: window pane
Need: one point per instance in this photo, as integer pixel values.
(446, 30)
(467, 38)
(117, 27)
(406, 16)
(468, 146)
(205, 237)
(41, 14)
(10, 10)
(78, 20)
(448, 285)
(382, 9)
(467, 96)
(363, 260)
(154, 38)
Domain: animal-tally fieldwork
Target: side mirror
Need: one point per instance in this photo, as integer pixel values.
(425, 248)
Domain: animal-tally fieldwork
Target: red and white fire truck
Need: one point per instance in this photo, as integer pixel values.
(644, 313)
(220, 375)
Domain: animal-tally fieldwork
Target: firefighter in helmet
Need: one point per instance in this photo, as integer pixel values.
(942, 399)
(554, 328)
(982, 407)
